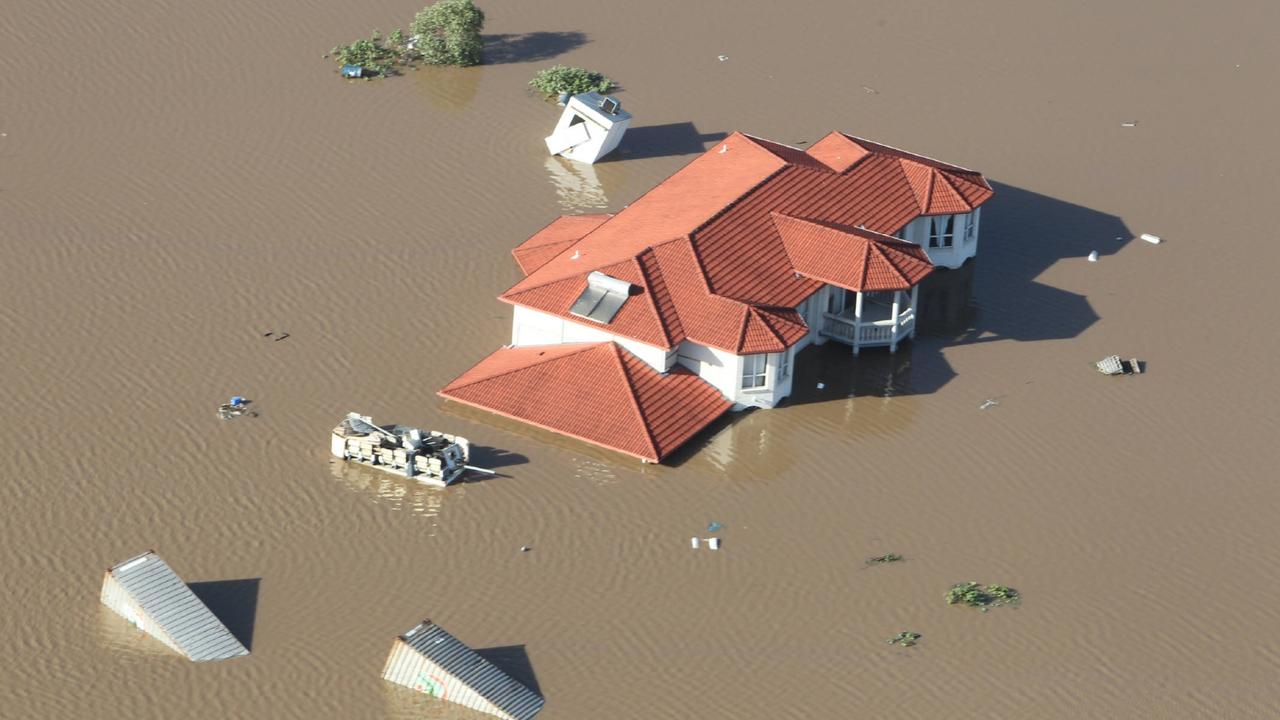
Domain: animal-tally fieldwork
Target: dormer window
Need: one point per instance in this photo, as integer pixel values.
(942, 231)
(602, 298)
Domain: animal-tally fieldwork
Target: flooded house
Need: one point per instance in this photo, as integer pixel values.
(635, 331)
(429, 660)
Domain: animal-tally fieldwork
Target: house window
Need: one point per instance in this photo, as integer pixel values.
(753, 371)
(971, 227)
(942, 231)
(784, 365)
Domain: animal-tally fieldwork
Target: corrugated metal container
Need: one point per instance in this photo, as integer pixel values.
(432, 661)
(145, 591)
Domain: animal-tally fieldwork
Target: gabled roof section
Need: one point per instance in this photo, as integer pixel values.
(554, 238)
(851, 258)
(596, 392)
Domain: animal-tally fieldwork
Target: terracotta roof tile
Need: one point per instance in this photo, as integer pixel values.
(702, 246)
(852, 258)
(597, 392)
(552, 239)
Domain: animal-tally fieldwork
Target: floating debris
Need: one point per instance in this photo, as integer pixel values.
(235, 408)
(525, 548)
(431, 458)
(906, 638)
(722, 58)
(693, 542)
(352, 71)
(713, 543)
(433, 662)
(1093, 256)
(884, 559)
(822, 386)
(1129, 124)
(870, 90)
(982, 596)
(988, 403)
(145, 591)
(714, 527)
(1153, 239)
(1113, 365)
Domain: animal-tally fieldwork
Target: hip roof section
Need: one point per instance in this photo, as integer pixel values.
(597, 392)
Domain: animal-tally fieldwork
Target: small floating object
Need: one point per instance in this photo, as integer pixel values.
(1093, 256)
(714, 527)
(1113, 365)
(525, 548)
(988, 403)
(722, 58)
(713, 543)
(1153, 239)
(693, 543)
(1129, 124)
(237, 407)
(352, 71)
(822, 386)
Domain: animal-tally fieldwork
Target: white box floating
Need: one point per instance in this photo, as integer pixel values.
(694, 543)
(1153, 239)
(713, 543)
(1093, 256)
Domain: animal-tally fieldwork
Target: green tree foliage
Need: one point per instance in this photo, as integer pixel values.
(377, 54)
(573, 80)
(448, 33)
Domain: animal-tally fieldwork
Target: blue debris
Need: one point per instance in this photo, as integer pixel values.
(714, 527)
(352, 71)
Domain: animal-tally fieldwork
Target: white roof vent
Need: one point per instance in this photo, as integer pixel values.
(602, 298)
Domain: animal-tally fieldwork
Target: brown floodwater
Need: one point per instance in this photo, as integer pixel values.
(179, 178)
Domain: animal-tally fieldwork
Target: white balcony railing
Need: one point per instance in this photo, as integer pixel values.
(873, 333)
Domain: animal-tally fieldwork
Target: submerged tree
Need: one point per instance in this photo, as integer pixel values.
(448, 33)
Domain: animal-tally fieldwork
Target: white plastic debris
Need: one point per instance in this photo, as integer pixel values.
(693, 542)
(1129, 124)
(1093, 256)
(1153, 239)
(713, 543)
(988, 403)
(822, 386)
(722, 58)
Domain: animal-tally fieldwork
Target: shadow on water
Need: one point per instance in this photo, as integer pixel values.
(997, 296)
(493, 458)
(234, 602)
(514, 661)
(529, 47)
(650, 141)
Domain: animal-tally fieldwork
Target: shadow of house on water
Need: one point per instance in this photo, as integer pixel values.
(234, 602)
(994, 296)
(514, 661)
(651, 141)
(529, 47)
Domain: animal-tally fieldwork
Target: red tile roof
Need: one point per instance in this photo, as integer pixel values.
(707, 260)
(550, 240)
(851, 258)
(623, 405)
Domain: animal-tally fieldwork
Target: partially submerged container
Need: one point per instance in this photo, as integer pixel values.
(430, 457)
(352, 71)
(145, 591)
(431, 661)
(591, 127)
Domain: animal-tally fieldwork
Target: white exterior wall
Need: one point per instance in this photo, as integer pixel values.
(963, 248)
(533, 327)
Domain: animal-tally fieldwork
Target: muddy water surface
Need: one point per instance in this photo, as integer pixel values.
(177, 179)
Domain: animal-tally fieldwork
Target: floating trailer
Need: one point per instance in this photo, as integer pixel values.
(430, 457)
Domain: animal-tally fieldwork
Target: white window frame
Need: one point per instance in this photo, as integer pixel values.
(784, 364)
(755, 370)
(971, 227)
(942, 232)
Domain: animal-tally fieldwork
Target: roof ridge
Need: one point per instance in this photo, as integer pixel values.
(631, 393)
(946, 178)
(585, 347)
(908, 153)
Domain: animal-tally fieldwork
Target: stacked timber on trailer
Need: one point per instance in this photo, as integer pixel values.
(432, 661)
(145, 591)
